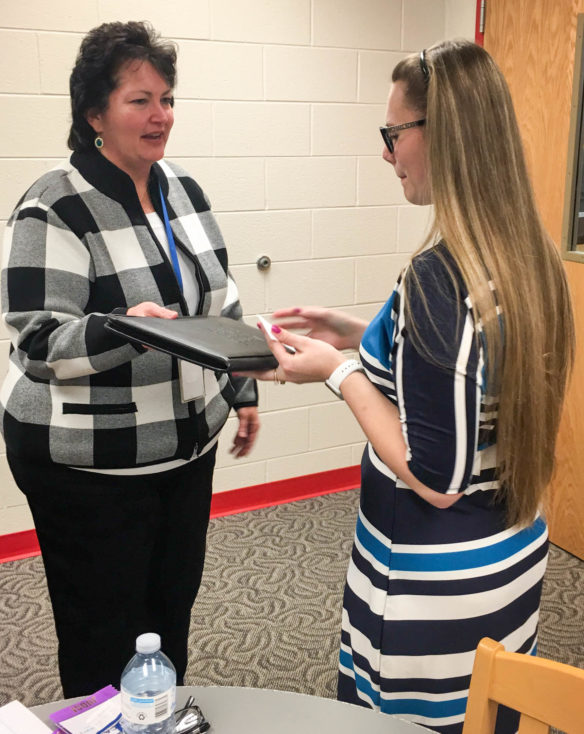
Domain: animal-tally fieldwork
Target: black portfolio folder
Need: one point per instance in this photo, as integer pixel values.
(215, 342)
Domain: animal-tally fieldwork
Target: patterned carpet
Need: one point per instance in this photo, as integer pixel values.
(268, 613)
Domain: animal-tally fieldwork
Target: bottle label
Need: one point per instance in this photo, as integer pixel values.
(148, 709)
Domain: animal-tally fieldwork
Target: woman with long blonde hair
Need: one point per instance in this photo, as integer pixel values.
(465, 373)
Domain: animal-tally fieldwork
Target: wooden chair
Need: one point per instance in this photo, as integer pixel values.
(546, 693)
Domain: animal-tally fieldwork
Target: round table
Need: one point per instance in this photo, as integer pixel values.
(232, 710)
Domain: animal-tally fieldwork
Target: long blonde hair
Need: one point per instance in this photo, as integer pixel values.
(486, 216)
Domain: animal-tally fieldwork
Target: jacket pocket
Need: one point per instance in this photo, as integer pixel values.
(101, 409)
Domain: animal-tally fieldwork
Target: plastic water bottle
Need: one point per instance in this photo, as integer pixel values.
(148, 689)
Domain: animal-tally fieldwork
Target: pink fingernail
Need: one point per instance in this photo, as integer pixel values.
(296, 310)
(276, 329)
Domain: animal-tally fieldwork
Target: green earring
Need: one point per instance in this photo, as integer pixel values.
(98, 142)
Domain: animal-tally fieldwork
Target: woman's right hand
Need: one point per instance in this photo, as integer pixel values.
(313, 360)
(334, 327)
(149, 308)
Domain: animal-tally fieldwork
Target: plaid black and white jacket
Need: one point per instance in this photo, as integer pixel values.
(78, 246)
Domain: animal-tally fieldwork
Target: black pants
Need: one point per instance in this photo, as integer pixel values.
(123, 556)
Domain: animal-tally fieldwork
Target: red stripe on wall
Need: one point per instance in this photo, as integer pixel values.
(285, 490)
(15, 546)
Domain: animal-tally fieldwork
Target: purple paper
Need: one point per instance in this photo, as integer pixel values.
(104, 694)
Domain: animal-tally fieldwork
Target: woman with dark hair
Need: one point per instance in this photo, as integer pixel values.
(112, 444)
(465, 374)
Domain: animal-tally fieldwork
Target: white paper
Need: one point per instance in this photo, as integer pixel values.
(94, 719)
(267, 326)
(192, 385)
(17, 719)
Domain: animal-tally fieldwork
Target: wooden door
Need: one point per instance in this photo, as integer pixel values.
(533, 42)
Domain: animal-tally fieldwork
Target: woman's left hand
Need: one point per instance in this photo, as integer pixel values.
(149, 308)
(249, 424)
(313, 361)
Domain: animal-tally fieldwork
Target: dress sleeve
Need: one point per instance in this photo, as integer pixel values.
(246, 392)
(45, 292)
(438, 376)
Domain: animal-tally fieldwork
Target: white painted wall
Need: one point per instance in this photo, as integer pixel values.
(460, 19)
(278, 105)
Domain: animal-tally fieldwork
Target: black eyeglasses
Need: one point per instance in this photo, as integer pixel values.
(389, 134)
(190, 719)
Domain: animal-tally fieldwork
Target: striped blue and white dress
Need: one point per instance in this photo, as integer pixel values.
(424, 585)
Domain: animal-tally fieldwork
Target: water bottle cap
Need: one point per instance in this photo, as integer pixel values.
(148, 642)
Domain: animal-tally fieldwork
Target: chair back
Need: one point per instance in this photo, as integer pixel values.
(546, 693)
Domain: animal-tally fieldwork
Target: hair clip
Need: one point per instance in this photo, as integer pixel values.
(424, 65)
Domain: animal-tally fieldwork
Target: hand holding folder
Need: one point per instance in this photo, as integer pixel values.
(215, 342)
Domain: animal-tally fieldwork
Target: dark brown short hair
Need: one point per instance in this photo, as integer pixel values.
(103, 51)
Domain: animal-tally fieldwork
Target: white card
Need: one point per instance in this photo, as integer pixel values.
(268, 327)
(192, 385)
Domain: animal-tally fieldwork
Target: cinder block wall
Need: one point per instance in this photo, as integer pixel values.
(278, 105)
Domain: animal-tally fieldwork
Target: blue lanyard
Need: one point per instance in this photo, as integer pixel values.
(171, 245)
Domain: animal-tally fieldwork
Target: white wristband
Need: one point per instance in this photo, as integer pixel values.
(343, 370)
